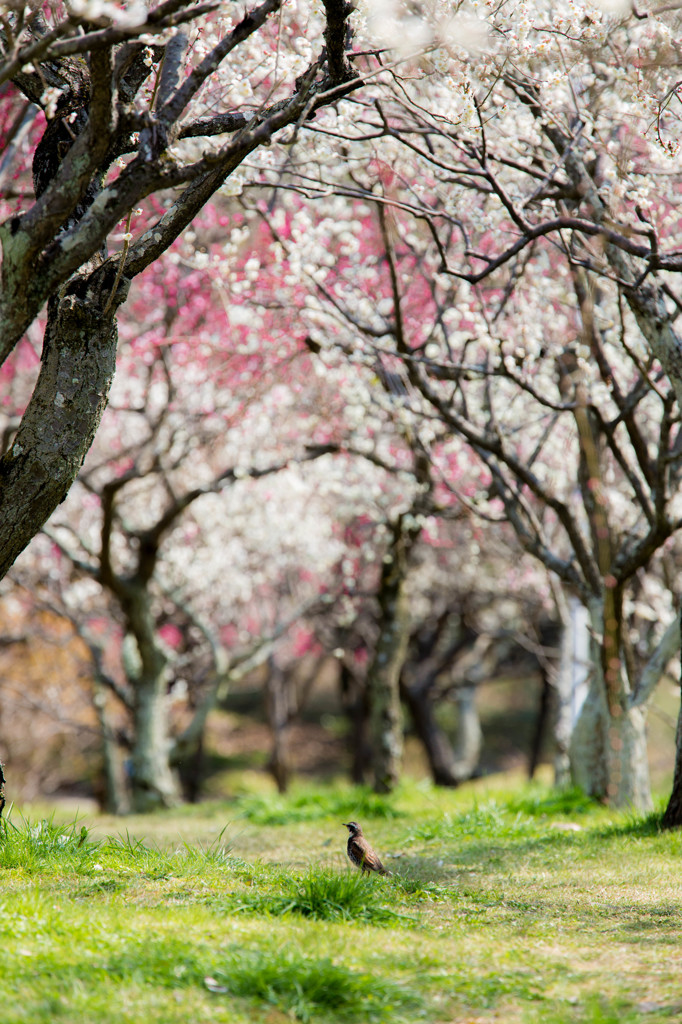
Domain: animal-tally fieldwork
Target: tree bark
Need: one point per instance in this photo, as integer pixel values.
(115, 795)
(153, 782)
(608, 746)
(572, 682)
(386, 728)
(587, 743)
(279, 715)
(541, 724)
(436, 744)
(57, 429)
(468, 738)
(628, 784)
(355, 701)
(672, 817)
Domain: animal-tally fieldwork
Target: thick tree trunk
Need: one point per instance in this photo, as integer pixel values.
(608, 746)
(572, 683)
(469, 737)
(587, 743)
(541, 724)
(153, 782)
(115, 790)
(356, 705)
(628, 784)
(59, 424)
(672, 818)
(449, 763)
(436, 744)
(191, 771)
(385, 716)
(383, 678)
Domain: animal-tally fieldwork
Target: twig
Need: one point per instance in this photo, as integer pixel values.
(119, 271)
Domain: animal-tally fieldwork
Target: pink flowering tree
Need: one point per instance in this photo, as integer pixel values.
(166, 538)
(185, 567)
(110, 107)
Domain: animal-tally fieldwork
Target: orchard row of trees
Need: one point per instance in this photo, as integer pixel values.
(427, 302)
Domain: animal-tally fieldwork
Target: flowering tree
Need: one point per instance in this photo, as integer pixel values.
(525, 277)
(495, 259)
(191, 418)
(136, 102)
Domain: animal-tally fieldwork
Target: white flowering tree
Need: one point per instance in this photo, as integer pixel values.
(524, 273)
(490, 263)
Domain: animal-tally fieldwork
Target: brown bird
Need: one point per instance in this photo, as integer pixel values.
(360, 853)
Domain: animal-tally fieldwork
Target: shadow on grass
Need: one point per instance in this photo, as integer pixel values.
(636, 826)
(298, 985)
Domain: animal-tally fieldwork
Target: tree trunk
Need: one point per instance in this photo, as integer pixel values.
(672, 817)
(191, 770)
(383, 678)
(572, 683)
(627, 760)
(587, 742)
(153, 782)
(59, 424)
(436, 744)
(609, 755)
(469, 737)
(608, 746)
(279, 716)
(355, 701)
(541, 724)
(115, 790)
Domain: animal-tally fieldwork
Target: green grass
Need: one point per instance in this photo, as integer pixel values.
(322, 895)
(309, 804)
(512, 903)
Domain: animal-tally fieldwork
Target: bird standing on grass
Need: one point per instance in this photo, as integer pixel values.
(360, 853)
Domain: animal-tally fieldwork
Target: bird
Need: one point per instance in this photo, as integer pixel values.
(360, 853)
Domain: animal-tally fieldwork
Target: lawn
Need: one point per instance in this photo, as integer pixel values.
(507, 903)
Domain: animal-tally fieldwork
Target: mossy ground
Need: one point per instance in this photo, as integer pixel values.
(508, 903)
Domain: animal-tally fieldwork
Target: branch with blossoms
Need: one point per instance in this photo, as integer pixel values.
(435, 387)
(148, 541)
(472, 166)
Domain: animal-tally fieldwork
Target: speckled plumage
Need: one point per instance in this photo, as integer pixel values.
(360, 853)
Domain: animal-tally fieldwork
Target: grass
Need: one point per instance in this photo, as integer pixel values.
(322, 895)
(512, 903)
(313, 805)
